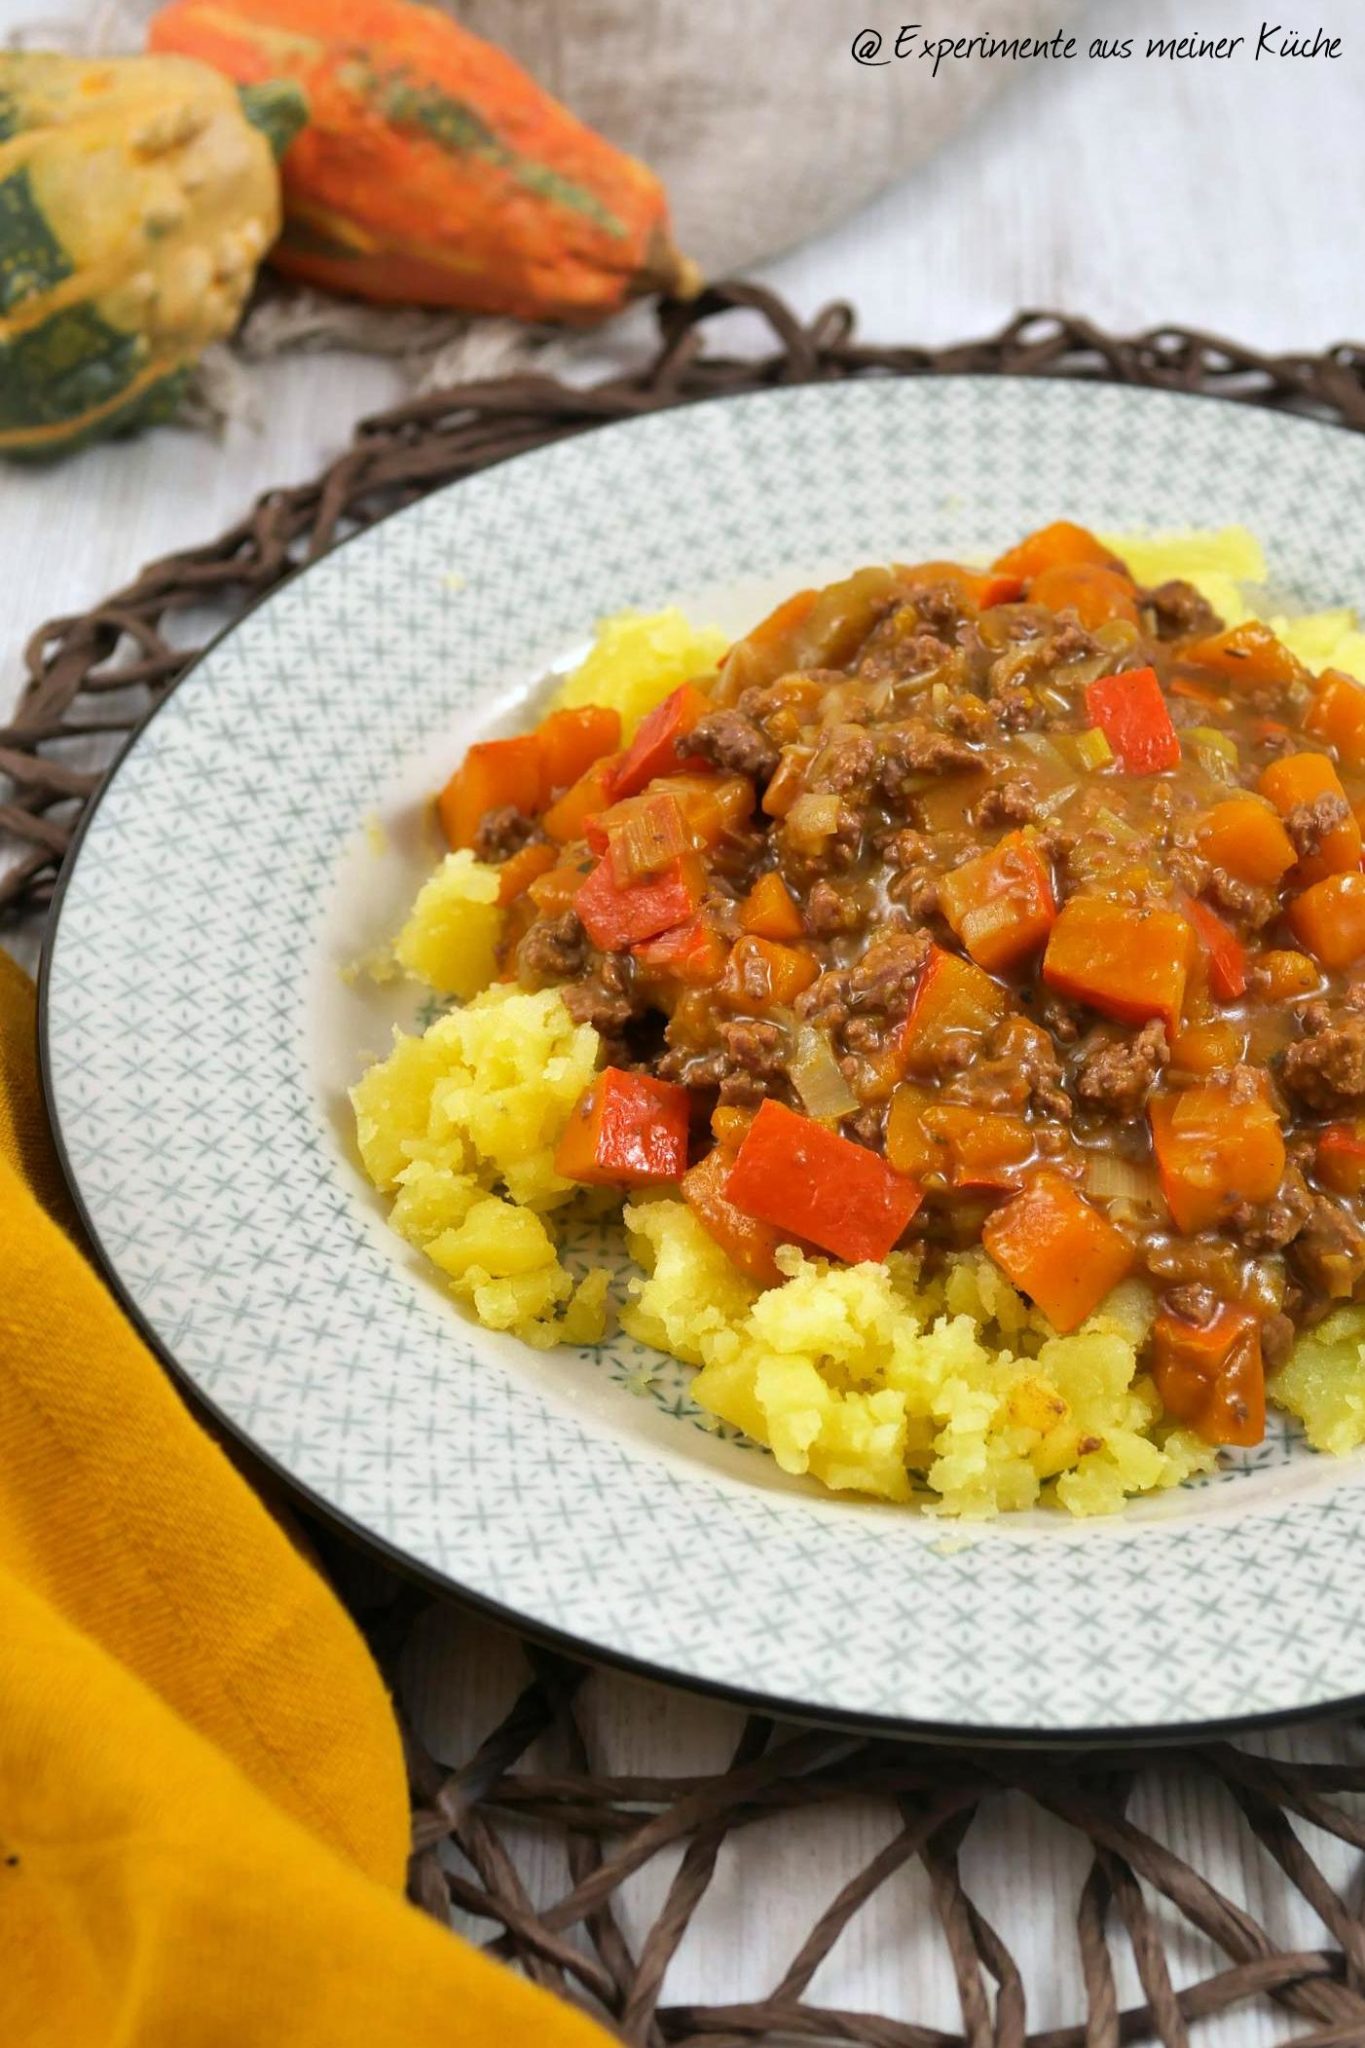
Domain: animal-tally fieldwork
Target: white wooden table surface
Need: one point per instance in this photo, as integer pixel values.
(1221, 195)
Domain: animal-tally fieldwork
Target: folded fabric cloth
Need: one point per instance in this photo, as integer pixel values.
(203, 1820)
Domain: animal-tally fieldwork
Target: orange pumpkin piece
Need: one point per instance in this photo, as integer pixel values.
(768, 910)
(1297, 779)
(1063, 544)
(626, 1130)
(1052, 1245)
(520, 869)
(953, 998)
(1337, 715)
(567, 818)
(1199, 1048)
(1000, 903)
(1249, 656)
(432, 169)
(493, 774)
(1125, 960)
(1096, 594)
(1328, 920)
(1243, 835)
(570, 741)
(986, 1148)
(1285, 975)
(747, 1242)
(1215, 1147)
(1210, 1376)
(762, 975)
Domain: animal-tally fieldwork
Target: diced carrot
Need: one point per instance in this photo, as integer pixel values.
(1243, 835)
(520, 869)
(809, 1182)
(746, 1241)
(1223, 950)
(1053, 1246)
(1210, 1375)
(763, 975)
(1096, 594)
(1052, 546)
(1285, 975)
(1000, 903)
(1297, 779)
(626, 1130)
(954, 999)
(566, 818)
(768, 910)
(986, 1148)
(1340, 1162)
(1131, 712)
(1199, 1048)
(616, 917)
(1337, 715)
(657, 746)
(1125, 960)
(493, 775)
(1248, 655)
(1215, 1148)
(1328, 920)
(693, 954)
(570, 741)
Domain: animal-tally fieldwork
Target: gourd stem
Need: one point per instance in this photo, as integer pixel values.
(278, 107)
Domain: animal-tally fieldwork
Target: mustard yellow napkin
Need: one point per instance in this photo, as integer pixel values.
(203, 1825)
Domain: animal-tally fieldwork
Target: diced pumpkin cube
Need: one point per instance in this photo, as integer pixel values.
(953, 998)
(494, 774)
(1244, 835)
(1063, 542)
(1096, 594)
(1297, 779)
(567, 818)
(1249, 657)
(762, 975)
(1052, 1245)
(1000, 903)
(1125, 960)
(746, 1241)
(571, 741)
(1215, 1147)
(1328, 920)
(768, 910)
(1337, 715)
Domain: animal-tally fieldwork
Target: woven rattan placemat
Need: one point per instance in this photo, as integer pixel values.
(94, 677)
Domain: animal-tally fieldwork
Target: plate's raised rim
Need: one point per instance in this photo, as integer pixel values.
(990, 1735)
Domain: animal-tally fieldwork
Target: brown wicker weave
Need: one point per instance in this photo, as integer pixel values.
(99, 673)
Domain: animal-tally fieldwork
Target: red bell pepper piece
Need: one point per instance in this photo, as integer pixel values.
(1340, 1161)
(1210, 1375)
(615, 917)
(692, 953)
(1131, 713)
(1053, 1246)
(655, 749)
(809, 1182)
(626, 1130)
(1226, 955)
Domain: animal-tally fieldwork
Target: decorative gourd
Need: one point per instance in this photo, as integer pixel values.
(137, 196)
(432, 170)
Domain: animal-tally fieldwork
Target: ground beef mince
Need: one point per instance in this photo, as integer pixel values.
(731, 741)
(1180, 612)
(993, 879)
(1117, 1074)
(503, 832)
(1326, 1068)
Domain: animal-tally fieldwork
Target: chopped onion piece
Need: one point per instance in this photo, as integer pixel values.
(648, 839)
(816, 1077)
(1122, 1180)
(813, 819)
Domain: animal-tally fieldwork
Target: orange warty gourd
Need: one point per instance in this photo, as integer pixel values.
(433, 171)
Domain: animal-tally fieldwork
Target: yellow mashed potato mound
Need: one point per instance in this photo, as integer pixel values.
(951, 1391)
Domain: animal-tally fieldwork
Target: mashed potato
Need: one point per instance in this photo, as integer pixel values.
(951, 1391)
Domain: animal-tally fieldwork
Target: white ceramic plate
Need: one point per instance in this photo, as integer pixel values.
(199, 1040)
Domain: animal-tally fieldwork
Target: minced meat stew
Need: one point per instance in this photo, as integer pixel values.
(1017, 907)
